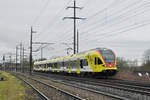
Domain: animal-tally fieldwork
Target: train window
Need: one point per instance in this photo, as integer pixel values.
(85, 63)
(74, 63)
(48, 65)
(108, 56)
(81, 63)
(65, 64)
(62, 64)
(99, 61)
(55, 65)
(51, 65)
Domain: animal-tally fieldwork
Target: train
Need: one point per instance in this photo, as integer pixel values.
(94, 62)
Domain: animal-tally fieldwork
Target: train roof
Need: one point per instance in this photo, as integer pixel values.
(100, 49)
(80, 55)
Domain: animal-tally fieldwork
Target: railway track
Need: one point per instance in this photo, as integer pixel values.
(124, 89)
(87, 87)
(127, 86)
(66, 95)
(41, 95)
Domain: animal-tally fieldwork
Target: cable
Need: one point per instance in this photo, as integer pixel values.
(41, 12)
(125, 19)
(113, 19)
(121, 32)
(53, 21)
(54, 18)
(120, 11)
(105, 8)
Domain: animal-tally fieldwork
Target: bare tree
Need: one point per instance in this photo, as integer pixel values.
(121, 62)
(146, 57)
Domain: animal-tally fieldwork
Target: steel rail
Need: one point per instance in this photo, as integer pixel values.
(43, 97)
(91, 90)
(74, 97)
(124, 87)
(116, 85)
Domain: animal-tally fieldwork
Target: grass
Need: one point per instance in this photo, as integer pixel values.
(11, 88)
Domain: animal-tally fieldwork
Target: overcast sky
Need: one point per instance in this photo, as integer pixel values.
(121, 25)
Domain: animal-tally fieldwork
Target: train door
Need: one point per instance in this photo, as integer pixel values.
(69, 67)
(46, 68)
(52, 67)
(43, 67)
(94, 63)
(63, 65)
(97, 63)
(78, 66)
(58, 67)
(81, 63)
(74, 66)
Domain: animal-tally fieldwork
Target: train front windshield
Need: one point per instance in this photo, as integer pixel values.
(108, 56)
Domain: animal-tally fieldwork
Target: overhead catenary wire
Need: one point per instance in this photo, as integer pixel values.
(63, 34)
(104, 34)
(124, 19)
(122, 31)
(41, 12)
(69, 31)
(67, 35)
(113, 14)
(53, 21)
(117, 17)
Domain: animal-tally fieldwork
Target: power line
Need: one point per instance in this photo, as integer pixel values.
(111, 25)
(122, 31)
(52, 22)
(54, 18)
(114, 19)
(65, 33)
(104, 10)
(41, 12)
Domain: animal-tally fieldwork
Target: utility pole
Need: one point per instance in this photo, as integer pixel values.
(16, 57)
(20, 56)
(10, 65)
(4, 62)
(31, 52)
(74, 18)
(31, 65)
(23, 61)
(77, 41)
